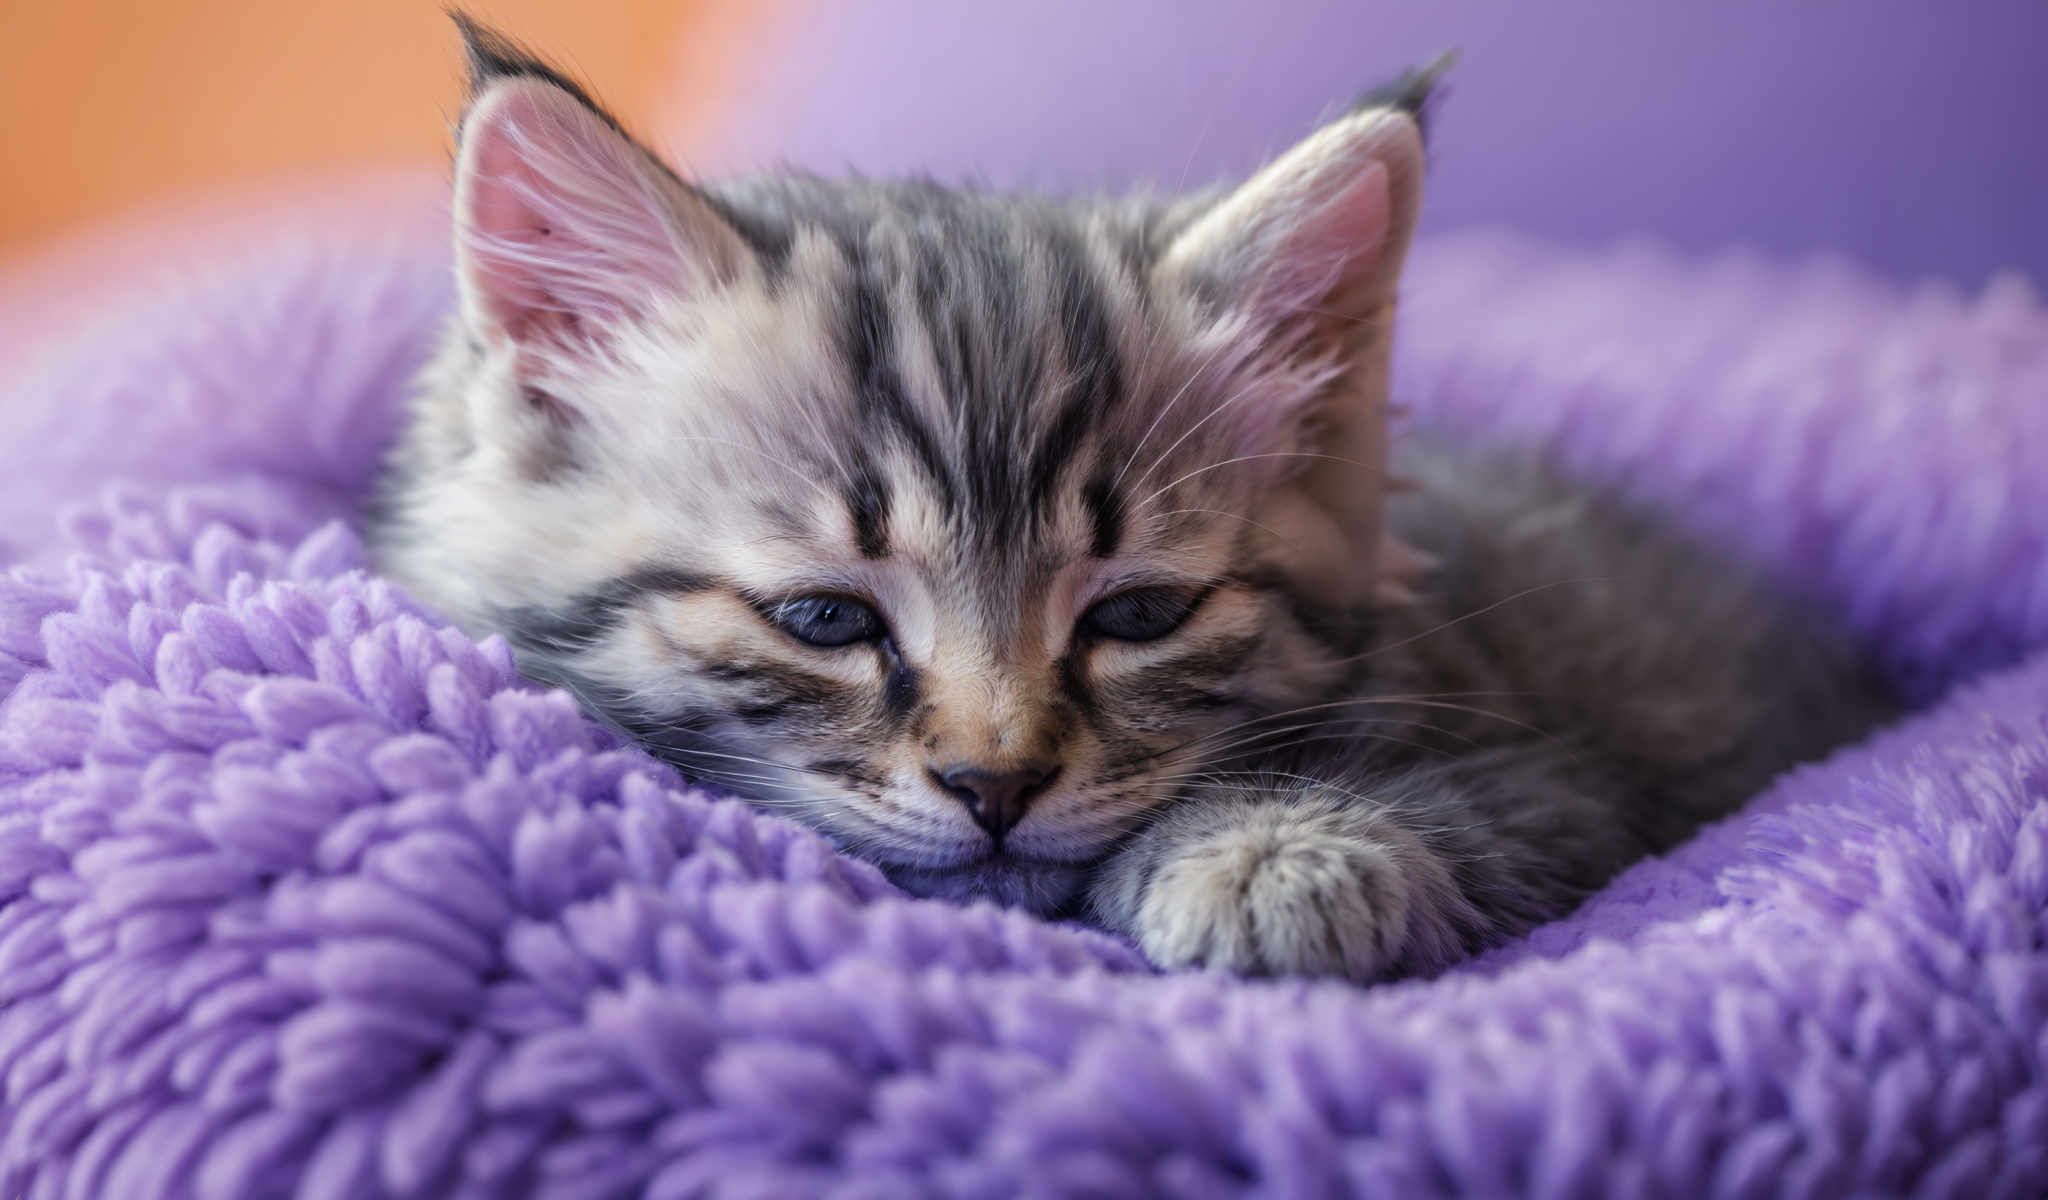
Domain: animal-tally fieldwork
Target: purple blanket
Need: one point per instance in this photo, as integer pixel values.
(303, 894)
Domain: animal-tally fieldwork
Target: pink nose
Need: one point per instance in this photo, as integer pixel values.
(995, 798)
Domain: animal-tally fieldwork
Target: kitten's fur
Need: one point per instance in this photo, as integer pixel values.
(665, 413)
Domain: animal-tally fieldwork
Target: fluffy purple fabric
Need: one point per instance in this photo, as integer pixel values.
(302, 894)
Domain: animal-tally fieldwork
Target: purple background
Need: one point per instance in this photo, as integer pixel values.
(1906, 135)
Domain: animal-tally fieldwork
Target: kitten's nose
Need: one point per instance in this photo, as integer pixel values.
(996, 798)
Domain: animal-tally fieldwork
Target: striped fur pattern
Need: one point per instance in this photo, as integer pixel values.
(668, 416)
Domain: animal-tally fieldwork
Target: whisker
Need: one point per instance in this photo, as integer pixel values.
(1249, 742)
(1346, 736)
(1524, 594)
(809, 481)
(1335, 315)
(1355, 701)
(1248, 458)
(1214, 355)
(1311, 780)
(1159, 458)
(1175, 512)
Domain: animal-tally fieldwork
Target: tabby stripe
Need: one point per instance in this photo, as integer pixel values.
(868, 499)
(1106, 516)
(769, 238)
(1091, 360)
(1049, 461)
(681, 741)
(901, 691)
(586, 619)
(870, 349)
(1074, 681)
(847, 769)
(1218, 657)
(1330, 626)
(794, 684)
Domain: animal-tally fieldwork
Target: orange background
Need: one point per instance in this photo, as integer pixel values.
(107, 106)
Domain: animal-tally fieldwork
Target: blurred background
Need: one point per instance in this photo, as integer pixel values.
(1906, 136)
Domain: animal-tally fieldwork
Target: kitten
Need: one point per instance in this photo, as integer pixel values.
(1043, 551)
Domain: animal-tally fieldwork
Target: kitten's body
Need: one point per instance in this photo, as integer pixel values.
(1038, 550)
(1588, 688)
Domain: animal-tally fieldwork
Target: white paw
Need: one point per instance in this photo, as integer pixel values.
(1278, 895)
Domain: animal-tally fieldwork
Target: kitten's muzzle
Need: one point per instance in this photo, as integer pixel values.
(995, 797)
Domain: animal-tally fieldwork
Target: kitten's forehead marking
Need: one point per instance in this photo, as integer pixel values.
(984, 345)
(881, 405)
(867, 500)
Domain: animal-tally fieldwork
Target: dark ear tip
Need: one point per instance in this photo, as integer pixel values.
(475, 34)
(493, 56)
(1413, 91)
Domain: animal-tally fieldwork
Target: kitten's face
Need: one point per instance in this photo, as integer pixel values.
(961, 529)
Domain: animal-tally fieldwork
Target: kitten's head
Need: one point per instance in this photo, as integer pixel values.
(963, 527)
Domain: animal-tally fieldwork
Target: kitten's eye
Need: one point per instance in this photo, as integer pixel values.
(827, 620)
(1141, 614)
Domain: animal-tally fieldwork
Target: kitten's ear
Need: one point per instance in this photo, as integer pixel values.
(1310, 249)
(563, 223)
(1319, 235)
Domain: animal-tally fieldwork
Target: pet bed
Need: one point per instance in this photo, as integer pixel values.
(304, 894)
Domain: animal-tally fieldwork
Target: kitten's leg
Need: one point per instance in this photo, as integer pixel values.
(1300, 879)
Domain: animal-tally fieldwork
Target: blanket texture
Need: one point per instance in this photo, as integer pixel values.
(304, 894)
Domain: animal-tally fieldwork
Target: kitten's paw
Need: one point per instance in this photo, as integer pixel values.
(1278, 895)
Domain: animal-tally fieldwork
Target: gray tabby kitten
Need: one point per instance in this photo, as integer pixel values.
(1044, 551)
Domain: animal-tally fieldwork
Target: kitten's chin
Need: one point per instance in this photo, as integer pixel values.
(1038, 887)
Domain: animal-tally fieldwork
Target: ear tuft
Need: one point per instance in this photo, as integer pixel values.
(1413, 92)
(492, 56)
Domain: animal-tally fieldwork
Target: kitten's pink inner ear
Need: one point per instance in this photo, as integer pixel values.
(1311, 249)
(563, 224)
(1355, 228)
(506, 232)
(1328, 249)
(1323, 229)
